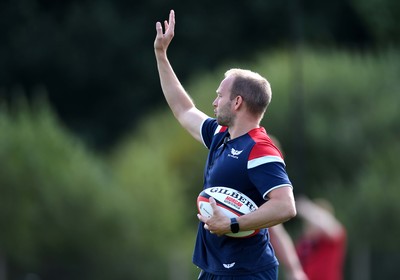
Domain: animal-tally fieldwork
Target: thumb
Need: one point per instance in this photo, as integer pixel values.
(213, 204)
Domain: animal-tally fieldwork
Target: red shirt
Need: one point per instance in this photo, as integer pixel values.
(323, 259)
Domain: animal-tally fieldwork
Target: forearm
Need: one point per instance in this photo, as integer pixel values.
(286, 253)
(177, 98)
(271, 213)
(318, 217)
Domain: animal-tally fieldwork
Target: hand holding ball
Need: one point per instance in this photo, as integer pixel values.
(231, 202)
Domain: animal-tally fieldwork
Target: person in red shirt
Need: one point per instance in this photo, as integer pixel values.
(322, 246)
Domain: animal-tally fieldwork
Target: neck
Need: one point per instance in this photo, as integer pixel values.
(239, 129)
(243, 122)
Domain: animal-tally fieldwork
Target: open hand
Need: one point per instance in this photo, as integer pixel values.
(163, 40)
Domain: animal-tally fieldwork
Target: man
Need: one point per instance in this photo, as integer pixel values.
(241, 156)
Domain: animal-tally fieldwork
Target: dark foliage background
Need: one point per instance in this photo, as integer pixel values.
(94, 59)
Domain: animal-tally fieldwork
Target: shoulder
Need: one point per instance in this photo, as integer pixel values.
(263, 146)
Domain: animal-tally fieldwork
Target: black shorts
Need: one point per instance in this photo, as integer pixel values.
(271, 274)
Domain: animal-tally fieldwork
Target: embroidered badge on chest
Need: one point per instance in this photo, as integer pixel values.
(234, 153)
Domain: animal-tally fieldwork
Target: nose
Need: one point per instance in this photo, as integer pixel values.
(215, 102)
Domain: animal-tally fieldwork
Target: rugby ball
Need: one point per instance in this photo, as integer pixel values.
(233, 203)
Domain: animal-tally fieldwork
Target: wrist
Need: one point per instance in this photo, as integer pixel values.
(234, 225)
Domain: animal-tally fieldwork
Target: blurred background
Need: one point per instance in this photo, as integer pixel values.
(98, 180)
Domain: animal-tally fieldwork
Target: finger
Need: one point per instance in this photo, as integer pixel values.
(169, 25)
(166, 25)
(202, 218)
(172, 18)
(158, 28)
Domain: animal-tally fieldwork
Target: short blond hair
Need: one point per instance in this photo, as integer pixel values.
(252, 87)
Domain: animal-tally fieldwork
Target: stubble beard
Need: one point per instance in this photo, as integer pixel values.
(225, 116)
(225, 119)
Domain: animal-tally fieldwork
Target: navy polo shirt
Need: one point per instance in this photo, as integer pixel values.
(253, 165)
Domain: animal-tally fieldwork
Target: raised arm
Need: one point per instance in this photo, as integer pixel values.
(177, 98)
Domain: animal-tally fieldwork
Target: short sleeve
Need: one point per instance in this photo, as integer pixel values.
(266, 167)
(209, 128)
(269, 176)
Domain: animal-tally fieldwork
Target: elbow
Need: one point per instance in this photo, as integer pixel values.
(293, 210)
(291, 206)
(290, 212)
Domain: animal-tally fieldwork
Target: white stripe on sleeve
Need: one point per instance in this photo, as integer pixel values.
(262, 160)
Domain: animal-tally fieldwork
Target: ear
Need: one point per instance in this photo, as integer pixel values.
(238, 101)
